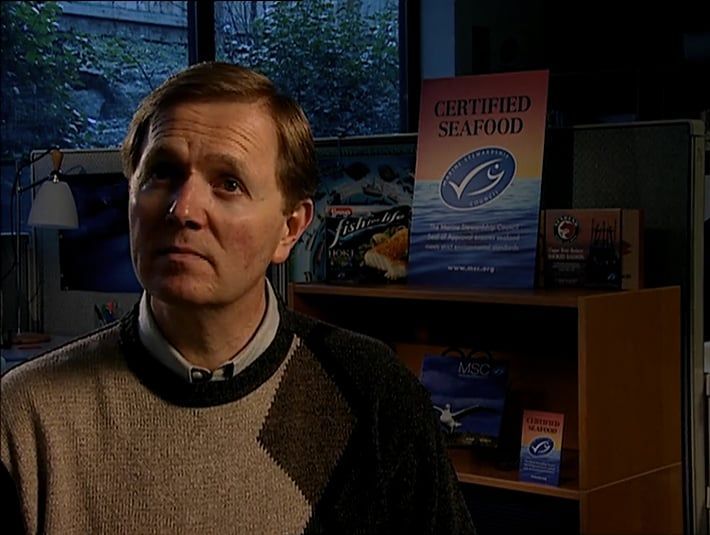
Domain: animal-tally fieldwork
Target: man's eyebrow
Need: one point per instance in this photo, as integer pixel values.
(165, 152)
(161, 151)
(227, 160)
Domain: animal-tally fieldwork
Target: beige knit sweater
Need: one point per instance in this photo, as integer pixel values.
(99, 438)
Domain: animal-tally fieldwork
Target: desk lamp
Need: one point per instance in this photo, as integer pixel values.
(53, 207)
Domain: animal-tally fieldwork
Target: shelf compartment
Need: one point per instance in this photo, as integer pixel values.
(470, 468)
(608, 360)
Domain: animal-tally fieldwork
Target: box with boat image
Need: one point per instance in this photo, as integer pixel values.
(367, 243)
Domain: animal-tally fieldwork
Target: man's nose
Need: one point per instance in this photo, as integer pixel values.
(188, 203)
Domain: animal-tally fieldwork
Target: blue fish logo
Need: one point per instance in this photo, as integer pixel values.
(541, 446)
(477, 178)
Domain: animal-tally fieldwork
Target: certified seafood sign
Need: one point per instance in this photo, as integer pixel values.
(477, 182)
(541, 447)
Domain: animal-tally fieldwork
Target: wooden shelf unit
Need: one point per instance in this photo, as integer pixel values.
(610, 361)
(471, 469)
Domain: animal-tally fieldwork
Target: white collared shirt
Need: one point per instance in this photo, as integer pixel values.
(170, 357)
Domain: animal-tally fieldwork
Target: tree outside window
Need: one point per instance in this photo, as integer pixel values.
(339, 59)
(74, 72)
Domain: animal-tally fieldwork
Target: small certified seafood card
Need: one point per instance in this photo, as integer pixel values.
(477, 182)
(541, 447)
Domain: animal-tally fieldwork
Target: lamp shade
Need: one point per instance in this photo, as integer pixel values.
(54, 207)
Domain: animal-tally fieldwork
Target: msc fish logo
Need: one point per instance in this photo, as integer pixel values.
(541, 446)
(477, 178)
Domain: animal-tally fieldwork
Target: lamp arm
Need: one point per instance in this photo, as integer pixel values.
(35, 184)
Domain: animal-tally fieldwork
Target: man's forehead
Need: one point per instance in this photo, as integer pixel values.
(234, 121)
(219, 108)
(169, 129)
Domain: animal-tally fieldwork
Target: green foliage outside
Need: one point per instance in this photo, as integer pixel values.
(341, 65)
(49, 77)
(39, 72)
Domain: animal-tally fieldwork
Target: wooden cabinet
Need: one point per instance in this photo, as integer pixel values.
(609, 361)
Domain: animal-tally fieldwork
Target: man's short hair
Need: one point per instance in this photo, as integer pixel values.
(223, 82)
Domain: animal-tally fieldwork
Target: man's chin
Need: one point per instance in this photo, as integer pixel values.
(182, 295)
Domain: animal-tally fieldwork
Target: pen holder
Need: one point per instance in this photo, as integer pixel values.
(106, 313)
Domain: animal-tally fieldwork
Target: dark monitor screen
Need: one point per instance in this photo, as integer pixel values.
(96, 256)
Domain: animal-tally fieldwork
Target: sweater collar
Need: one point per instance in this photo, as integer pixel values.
(176, 390)
(163, 351)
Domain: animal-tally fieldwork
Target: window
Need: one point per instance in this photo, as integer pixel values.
(73, 73)
(339, 59)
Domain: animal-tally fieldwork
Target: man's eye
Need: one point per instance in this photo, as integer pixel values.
(231, 184)
(161, 172)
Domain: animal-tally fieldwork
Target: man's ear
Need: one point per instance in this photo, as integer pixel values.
(295, 224)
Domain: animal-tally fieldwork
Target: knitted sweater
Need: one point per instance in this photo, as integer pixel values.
(326, 432)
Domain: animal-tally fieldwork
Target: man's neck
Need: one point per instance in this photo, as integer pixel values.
(210, 336)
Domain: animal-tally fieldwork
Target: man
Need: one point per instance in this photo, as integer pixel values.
(211, 408)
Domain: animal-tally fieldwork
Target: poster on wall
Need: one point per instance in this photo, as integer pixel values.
(477, 184)
(96, 256)
(353, 171)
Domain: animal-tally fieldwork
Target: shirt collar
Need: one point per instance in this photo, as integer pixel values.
(170, 357)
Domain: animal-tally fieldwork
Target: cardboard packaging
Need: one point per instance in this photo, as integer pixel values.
(593, 248)
(367, 243)
(541, 447)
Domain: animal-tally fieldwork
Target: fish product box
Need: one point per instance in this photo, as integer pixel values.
(367, 243)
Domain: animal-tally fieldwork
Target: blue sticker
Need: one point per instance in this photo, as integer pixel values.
(541, 446)
(477, 178)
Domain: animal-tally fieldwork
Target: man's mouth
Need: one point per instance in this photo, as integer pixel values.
(175, 250)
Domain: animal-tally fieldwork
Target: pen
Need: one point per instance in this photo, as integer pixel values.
(99, 315)
(112, 310)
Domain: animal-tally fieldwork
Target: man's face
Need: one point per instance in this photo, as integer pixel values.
(205, 211)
